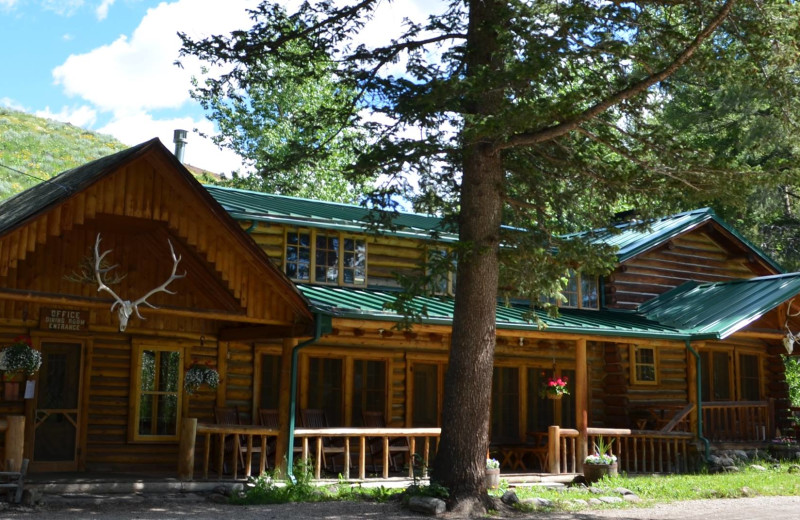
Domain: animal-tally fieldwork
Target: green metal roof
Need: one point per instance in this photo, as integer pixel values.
(692, 311)
(368, 304)
(633, 238)
(266, 207)
(720, 309)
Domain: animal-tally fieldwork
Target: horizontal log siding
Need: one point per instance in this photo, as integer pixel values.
(671, 370)
(595, 357)
(238, 380)
(694, 256)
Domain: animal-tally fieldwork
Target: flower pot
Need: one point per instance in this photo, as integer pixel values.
(555, 397)
(492, 478)
(594, 472)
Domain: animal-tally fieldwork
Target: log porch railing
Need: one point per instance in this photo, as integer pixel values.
(310, 439)
(638, 451)
(742, 421)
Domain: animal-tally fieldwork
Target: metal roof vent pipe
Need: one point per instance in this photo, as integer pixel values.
(179, 138)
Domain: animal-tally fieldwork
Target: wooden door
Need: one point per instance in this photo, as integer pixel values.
(56, 407)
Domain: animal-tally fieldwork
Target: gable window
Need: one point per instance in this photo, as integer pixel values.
(643, 365)
(331, 257)
(158, 379)
(443, 282)
(581, 292)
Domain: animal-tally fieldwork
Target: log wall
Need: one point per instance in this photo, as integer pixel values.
(693, 256)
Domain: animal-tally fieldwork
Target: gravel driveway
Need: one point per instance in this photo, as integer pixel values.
(187, 506)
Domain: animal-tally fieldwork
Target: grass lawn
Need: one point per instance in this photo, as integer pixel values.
(775, 481)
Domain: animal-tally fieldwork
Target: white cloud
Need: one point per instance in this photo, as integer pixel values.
(138, 73)
(62, 7)
(102, 10)
(12, 104)
(7, 4)
(67, 37)
(136, 128)
(83, 116)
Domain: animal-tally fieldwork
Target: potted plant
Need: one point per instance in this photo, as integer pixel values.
(18, 359)
(198, 375)
(784, 448)
(492, 474)
(601, 463)
(555, 388)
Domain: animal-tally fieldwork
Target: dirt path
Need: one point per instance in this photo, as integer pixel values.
(189, 507)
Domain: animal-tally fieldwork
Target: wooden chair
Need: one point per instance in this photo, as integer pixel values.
(268, 417)
(316, 419)
(230, 415)
(398, 446)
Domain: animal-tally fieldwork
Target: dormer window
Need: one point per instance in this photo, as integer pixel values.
(581, 292)
(330, 256)
(443, 283)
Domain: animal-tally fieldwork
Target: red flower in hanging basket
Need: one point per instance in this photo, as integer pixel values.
(555, 387)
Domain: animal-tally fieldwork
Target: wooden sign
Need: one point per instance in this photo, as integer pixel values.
(64, 319)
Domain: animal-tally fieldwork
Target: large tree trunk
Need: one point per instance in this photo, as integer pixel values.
(461, 459)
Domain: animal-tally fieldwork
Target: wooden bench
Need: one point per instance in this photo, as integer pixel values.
(14, 481)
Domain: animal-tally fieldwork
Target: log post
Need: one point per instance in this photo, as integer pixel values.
(15, 441)
(186, 447)
(553, 449)
(581, 402)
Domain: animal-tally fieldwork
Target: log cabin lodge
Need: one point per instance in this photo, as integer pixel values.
(675, 352)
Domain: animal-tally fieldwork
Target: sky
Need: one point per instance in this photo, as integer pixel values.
(108, 65)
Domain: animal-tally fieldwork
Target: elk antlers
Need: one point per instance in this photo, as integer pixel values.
(790, 339)
(127, 307)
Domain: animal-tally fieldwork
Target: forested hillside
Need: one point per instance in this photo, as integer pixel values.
(33, 149)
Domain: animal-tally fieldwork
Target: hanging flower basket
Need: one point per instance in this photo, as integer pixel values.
(20, 359)
(555, 388)
(199, 375)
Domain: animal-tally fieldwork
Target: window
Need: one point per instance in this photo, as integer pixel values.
(369, 389)
(325, 388)
(331, 258)
(505, 405)
(749, 377)
(715, 375)
(158, 380)
(581, 292)
(442, 269)
(270, 383)
(643, 365)
(298, 255)
(344, 388)
(427, 393)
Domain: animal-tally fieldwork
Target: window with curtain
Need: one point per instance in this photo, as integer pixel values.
(158, 383)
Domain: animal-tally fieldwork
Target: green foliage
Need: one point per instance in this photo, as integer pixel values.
(41, 148)
(284, 120)
(670, 488)
(268, 489)
(793, 378)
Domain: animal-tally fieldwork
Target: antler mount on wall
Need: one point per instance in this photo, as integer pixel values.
(127, 308)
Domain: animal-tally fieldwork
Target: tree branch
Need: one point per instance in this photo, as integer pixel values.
(551, 132)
